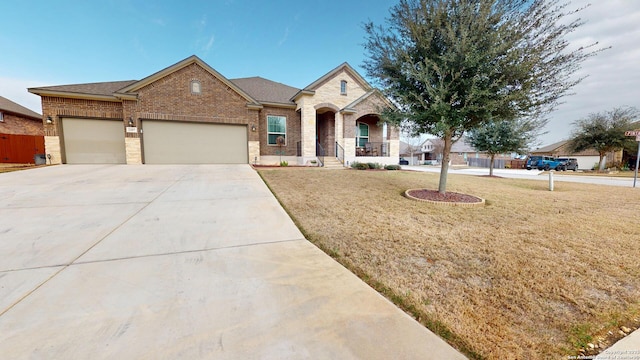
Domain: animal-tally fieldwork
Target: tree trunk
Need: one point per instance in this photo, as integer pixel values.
(444, 169)
(600, 162)
(491, 164)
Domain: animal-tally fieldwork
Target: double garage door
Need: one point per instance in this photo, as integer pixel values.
(90, 141)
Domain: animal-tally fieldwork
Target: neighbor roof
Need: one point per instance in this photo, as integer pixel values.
(267, 91)
(562, 148)
(460, 146)
(551, 148)
(7, 105)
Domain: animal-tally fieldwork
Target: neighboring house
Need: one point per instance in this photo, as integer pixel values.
(18, 120)
(460, 153)
(189, 113)
(21, 133)
(587, 159)
(410, 152)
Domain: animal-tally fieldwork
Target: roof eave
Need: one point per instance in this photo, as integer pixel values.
(253, 106)
(302, 93)
(72, 95)
(121, 96)
(279, 105)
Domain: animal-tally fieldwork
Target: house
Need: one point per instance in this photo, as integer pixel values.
(21, 133)
(18, 120)
(410, 152)
(461, 151)
(587, 159)
(188, 113)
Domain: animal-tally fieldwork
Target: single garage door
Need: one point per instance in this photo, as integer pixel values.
(173, 142)
(92, 141)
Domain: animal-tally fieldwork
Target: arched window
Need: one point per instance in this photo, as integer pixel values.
(343, 87)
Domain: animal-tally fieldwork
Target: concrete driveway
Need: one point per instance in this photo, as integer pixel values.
(178, 262)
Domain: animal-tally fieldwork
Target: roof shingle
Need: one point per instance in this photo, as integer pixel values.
(265, 90)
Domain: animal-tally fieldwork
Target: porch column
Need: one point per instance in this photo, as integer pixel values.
(348, 128)
(308, 129)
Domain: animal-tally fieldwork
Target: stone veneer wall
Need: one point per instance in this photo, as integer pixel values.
(52, 147)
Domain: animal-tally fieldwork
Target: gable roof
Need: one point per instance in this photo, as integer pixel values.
(118, 90)
(562, 148)
(9, 106)
(351, 107)
(553, 147)
(267, 91)
(311, 88)
(460, 146)
(130, 90)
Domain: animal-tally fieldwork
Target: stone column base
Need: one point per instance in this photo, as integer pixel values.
(133, 150)
(52, 148)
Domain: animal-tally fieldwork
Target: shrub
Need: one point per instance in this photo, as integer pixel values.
(392, 167)
(284, 163)
(360, 166)
(374, 166)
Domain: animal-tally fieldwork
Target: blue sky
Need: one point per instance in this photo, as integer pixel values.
(293, 42)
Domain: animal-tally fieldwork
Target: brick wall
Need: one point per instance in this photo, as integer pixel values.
(20, 125)
(58, 108)
(171, 98)
(293, 131)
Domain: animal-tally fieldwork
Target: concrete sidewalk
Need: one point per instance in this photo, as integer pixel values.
(179, 262)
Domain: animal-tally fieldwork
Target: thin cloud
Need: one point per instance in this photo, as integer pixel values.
(284, 37)
(209, 43)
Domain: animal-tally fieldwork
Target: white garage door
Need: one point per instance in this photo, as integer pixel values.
(172, 142)
(91, 141)
(588, 162)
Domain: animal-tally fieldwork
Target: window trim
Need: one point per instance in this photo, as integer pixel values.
(284, 134)
(358, 137)
(191, 87)
(343, 87)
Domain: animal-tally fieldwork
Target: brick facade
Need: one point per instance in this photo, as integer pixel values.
(58, 108)
(293, 131)
(167, 95)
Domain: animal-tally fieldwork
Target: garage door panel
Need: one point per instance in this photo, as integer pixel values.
(91, 141)
(172, 142)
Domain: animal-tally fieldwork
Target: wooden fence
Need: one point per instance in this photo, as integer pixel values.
(20, 149)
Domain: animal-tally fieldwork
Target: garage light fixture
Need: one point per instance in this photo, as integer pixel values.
(49, 120)
(130, 121)
(253, 127)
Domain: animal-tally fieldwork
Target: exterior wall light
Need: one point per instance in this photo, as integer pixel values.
(49, 120)
(130, 121)
(253, 128)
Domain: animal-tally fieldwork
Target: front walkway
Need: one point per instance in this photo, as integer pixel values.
(178, 262)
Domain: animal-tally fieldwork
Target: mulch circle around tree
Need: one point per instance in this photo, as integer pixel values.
(449, 198)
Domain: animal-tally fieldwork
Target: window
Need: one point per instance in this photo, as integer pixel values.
(1, 116)
(343, 87)
(276, 127)
(362, 134)
(195, 87)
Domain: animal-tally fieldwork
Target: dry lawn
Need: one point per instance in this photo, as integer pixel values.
(15, 167)
(533, 274)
